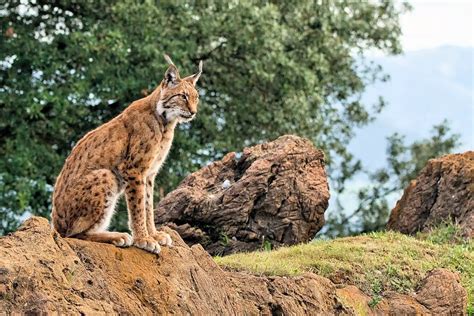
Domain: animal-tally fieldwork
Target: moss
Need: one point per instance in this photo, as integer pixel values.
(374, 262)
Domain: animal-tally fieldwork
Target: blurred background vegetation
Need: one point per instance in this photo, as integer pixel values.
(278, 67)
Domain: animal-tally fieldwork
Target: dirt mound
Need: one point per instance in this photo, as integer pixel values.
(275, 193)
(42, 272)
(444, 191)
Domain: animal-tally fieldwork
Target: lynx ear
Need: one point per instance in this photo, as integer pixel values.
(168, 60)
(194, 78)
(172, 74)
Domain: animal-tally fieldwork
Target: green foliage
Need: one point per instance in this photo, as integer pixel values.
(404, 162)
(224, 239)
(266, 245)
(375, 300)
(279, 67)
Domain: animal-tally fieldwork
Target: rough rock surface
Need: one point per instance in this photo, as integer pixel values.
(42, 273)
(444, 191)
(441, 293)
(276, 192)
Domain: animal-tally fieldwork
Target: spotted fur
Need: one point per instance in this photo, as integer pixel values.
(123, 155)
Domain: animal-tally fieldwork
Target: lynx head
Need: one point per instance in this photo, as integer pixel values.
(179, 97)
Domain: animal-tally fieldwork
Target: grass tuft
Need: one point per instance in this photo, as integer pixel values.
(446, 233)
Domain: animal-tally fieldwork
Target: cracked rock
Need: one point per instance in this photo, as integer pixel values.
(275, 193)
(443, 192)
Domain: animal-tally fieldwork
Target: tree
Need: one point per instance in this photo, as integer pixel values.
(279, 67)
(404, 163)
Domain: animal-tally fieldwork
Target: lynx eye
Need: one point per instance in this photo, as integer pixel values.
(184, 97)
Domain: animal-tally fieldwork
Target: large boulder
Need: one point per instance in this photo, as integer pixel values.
(443, 192)
(274, 193)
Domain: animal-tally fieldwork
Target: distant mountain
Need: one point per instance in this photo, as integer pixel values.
(426, 87)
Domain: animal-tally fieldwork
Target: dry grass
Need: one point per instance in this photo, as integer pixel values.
(374, 262)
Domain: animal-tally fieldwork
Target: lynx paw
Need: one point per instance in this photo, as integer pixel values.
(123, 240)
(148, 244)
(163, 238)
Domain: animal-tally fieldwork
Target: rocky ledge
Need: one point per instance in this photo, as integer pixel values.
(42, 273)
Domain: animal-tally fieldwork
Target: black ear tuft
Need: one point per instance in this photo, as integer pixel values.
(171, 76)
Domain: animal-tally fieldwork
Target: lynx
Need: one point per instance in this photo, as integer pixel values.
(123, 155)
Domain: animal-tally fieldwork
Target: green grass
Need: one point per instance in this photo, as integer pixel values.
(446, 233)
(374, 262)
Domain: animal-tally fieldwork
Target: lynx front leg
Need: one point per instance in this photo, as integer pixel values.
(135, 194)
(163, 238)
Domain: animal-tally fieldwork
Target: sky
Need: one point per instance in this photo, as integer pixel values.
(437, 23)
(430, 81)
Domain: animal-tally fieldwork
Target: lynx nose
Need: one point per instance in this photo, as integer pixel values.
(192, 112)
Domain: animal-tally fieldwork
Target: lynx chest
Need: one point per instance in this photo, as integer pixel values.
(162, 151)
